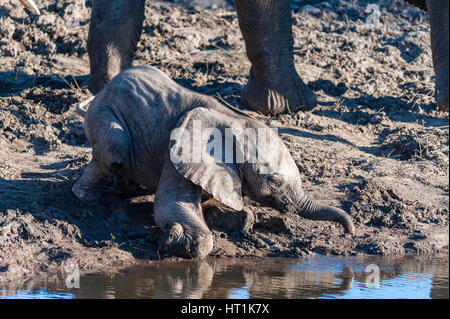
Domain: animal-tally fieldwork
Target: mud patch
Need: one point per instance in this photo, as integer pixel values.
(374, 146)
(406, 143)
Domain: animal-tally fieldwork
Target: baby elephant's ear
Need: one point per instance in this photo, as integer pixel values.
(201, 149)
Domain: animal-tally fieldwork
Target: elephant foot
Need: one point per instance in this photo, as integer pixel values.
(443, 106)
(276, 96)
(186, 242)
(86, 188)
(228, 220)
(85, 192)
(442, 100)
(442, 86)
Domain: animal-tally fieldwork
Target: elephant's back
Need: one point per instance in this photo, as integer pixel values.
(145, 99)
(146, 87)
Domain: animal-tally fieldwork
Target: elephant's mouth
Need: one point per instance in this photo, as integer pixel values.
(31, 6)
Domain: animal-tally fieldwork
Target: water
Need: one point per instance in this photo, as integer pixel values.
(316, 277)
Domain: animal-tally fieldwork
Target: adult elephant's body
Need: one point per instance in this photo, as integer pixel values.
(274, 86)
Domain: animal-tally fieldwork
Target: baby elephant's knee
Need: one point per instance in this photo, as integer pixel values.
(187, 242)
(201, 245)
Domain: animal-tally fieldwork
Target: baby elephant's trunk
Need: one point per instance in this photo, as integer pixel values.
(310, 209)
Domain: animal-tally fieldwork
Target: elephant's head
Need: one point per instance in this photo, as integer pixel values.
(229, 154)
(115, 29)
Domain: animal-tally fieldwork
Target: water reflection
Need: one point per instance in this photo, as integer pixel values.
(317, 277)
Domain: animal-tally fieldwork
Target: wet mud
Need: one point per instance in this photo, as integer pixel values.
(374, 146)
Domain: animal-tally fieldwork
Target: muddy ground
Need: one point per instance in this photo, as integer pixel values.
(375, 146)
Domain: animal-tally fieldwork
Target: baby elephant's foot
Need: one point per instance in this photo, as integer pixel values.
(229, 220)
(443, 106)
(85, 192)
(187, 242)
(442, 94)
(278, 95)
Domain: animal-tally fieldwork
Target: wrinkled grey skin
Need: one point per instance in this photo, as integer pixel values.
(114, 32)
(129, 125)
(274, 86)
(438, 12)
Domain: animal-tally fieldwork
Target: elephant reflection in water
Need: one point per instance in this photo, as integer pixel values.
(269, 278)
(218, 278)
(247, 278)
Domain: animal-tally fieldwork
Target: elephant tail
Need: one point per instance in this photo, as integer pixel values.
(83, 106)
(310, 209)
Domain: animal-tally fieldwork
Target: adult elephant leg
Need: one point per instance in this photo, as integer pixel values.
(177, 209)
(274, 86)
(438, 12)
(115, 29)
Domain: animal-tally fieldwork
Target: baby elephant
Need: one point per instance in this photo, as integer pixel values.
(146, 128)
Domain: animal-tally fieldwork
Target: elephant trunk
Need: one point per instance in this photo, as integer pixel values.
(310, 209)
